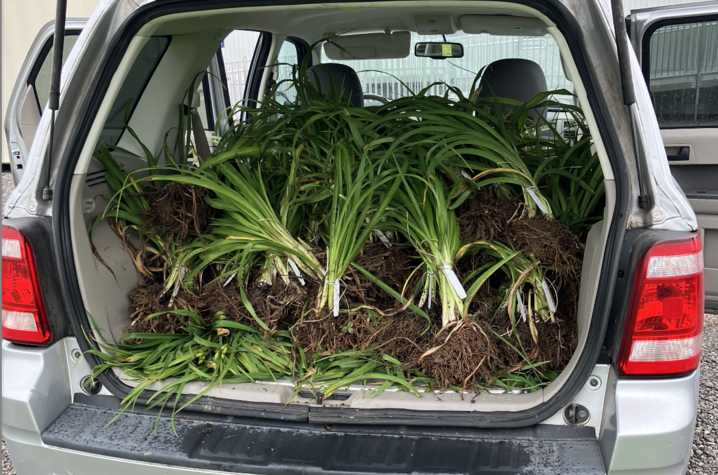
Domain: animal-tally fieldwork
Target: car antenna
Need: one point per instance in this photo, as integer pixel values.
(54, 101)
(629, 94)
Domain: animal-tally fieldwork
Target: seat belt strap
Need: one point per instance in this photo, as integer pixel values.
(200, 137)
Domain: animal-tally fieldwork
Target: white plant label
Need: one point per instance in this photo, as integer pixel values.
(521, 306)
(232, 277)
(465, 174)
(382, 237)
(549, 298)
(336, 298)
(454, 281)
(536, 199)
(295, 269)
(431, 288)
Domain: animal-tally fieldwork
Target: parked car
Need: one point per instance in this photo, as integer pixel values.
(626, 403)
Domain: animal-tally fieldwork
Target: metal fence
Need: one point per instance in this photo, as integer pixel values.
(683, 74)
(683, 55)
(237, 72)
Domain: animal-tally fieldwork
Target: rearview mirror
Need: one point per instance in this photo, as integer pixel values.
(439, 50)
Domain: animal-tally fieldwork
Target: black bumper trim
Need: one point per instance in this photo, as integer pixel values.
(241, 445)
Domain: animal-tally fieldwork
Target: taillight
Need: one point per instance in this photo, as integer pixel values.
(23, 312)
(664, 329)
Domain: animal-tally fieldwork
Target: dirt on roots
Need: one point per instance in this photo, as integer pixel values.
(464, 351)
(149, 299)
(177, 209)
(477, 348)
(557, 340)
(550, 242)
(375, 314)
(485, 218)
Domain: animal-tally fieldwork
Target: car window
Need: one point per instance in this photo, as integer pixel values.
(287, 60)
(390, 78)
(131, 90)
(237, 52)
(682, 73)
(40, 79)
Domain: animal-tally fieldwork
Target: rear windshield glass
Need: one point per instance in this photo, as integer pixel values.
(132, 89)
(384, 77)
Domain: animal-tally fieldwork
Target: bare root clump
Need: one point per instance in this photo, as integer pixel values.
(549, 241)
(485, 217)
(151, 307)
(464, 351)
(176, 210)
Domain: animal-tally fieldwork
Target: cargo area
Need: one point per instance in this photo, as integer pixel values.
(369, 327)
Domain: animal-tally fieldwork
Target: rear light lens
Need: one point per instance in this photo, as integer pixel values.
(23, 311)
(664, 329)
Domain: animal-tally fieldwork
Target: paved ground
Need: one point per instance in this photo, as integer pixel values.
(7, 187)
(705, 449)
(705, 446)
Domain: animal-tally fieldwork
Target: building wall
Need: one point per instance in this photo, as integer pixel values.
(629, 5)
(21, 20)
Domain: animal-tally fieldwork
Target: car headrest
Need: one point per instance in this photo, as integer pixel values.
(517, 79)
(339, 77)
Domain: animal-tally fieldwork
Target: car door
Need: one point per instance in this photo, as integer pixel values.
(32, 89)
(678, 50)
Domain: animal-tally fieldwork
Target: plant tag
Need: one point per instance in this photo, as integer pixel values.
(232, 277)
(382, 237)
(536, 199)
(521, 306)
(274, 271)
(296, 270)
(336, 298)
(549, 298)
(453, 280)
(465, 174)
(431, 287)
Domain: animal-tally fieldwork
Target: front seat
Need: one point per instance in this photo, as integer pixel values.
(340, 78)
(517, 79)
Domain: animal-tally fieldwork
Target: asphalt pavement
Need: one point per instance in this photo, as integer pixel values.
(705, 447)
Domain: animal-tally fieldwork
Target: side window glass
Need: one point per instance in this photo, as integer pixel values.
(682, 74)
(132, 88)
(237, 52)
(287, 60)
(40, 78)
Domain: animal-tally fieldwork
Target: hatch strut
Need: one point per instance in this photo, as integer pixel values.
(629, 95)
(54, 102)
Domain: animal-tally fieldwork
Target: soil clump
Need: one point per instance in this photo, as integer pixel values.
(456, 356)
(550, 242)
(556, 340)
(463, 352)
(215, 298)
(177, 209)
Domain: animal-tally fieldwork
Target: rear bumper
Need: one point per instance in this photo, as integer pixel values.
(648, 428)
(247, 446)
(648, 425)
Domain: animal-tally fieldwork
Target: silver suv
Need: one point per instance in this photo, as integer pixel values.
(625, 404)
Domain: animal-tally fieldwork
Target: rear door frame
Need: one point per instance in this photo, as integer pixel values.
(644, 22)
(38, 51)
